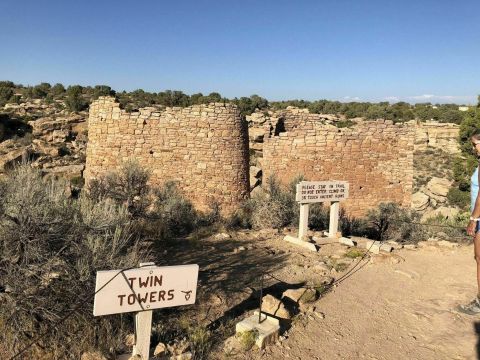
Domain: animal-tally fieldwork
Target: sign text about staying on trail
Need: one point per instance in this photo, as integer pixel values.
(321, 191)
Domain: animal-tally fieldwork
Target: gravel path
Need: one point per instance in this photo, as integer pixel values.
(392, 311)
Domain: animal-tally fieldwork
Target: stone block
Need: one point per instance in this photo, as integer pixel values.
(301, 295)
(377, 246)
(294, 240)
(267, 329)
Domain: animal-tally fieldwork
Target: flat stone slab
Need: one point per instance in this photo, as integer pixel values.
(346, 241)
(268, 328)
(328, 240)
(321, 240)
(297, 241)
(377, 246)
(129, 356)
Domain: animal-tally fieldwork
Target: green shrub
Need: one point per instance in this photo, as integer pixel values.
(318, 217)
(352, 226)
(344, 123)
(273, 207)
(77, 181)
(353, 253)
(390, 221)
(50, 249)
(200, 340)
(459, 198)
(177, 213)
(6, 92)
(276, 207)
(57, 90)
(75, 100)
(40, 91)
(127, 186)
(248, 339)
(454, 227)
(162, 213)
(242, 217)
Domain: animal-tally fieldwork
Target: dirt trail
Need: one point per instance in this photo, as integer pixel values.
(392, 311)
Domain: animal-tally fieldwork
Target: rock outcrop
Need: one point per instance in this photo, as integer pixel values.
(436, 135)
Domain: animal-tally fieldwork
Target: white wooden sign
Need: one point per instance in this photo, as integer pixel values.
(321, 191)
(145, 289)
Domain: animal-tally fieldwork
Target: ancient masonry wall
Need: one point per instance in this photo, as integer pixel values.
(375, 157)
(204, 148)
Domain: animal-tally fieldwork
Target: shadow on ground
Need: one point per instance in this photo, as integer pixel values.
(229, 279)
(476, 326)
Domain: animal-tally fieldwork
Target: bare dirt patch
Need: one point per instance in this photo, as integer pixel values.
(396, 306)
(391, 311)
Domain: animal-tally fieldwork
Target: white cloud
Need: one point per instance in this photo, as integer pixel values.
(422, 97)
(392, 98)
(458, 99)
(444, 98)
(350, 98)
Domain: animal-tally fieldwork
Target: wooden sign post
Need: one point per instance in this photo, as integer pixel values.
(141, 290)
(309, 192)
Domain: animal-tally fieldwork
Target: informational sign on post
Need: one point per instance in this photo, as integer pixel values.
(142, 290)
(309, 192)
(321, 191)
(145, 289)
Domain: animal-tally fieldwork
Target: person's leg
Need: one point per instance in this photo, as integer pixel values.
(476, 247)
(473, 308)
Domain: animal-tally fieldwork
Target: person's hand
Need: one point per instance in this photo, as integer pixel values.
(471, 228)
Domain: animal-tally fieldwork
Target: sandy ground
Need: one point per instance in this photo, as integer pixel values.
(392, 311)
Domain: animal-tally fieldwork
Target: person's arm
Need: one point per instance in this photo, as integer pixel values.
(475, 213)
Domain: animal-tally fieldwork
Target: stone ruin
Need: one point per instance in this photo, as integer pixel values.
(205, 149)
(375, 157)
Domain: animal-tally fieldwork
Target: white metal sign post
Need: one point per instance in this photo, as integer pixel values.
(141, 290)
(309, 192)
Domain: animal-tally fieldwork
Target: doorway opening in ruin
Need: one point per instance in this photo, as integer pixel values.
(279, 127)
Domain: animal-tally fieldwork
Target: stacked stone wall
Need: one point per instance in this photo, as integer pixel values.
(204, 148)
(375, 157)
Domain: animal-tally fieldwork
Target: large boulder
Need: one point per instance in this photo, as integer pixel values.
(47, 125)
(43, 147)
(65, 171)
(160, 350)
(420, 201)
(272, 306)
(256, 118)
(13, 157)
(301, 295)
(439, 186)
(256, 134)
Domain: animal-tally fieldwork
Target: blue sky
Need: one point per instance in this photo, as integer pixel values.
(414, 51)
